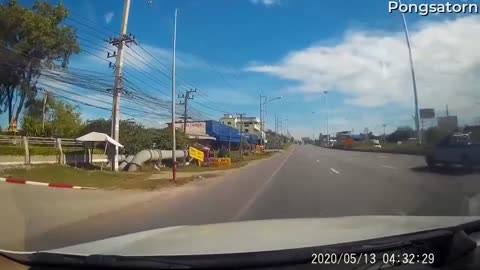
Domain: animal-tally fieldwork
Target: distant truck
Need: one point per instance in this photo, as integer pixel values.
(458, 149)
(376, 143)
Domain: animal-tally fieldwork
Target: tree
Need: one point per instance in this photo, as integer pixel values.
(163, 139)
(63, 120)
(401, 134)
(135, 137)
(67, 122)
(30, 40)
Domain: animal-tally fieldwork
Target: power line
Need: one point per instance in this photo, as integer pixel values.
(93, 22)
(146, 62)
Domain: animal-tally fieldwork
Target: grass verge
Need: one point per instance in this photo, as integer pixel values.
(94, 178)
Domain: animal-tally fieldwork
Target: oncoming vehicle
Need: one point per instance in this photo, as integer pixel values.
(456, 149)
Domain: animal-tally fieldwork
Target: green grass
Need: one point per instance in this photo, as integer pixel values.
(119, 180)
(93, 178)
(40, 150)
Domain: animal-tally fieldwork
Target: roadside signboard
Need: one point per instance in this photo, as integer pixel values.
(221, 162)
(196, 154)
(427, 113)
(347, 141)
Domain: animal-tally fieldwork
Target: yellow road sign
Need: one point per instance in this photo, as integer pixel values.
(221, 161)
(196, 154)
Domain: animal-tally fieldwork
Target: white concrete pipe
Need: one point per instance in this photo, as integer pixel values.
(153, 155)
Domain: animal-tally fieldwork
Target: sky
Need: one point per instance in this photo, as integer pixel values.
(233, 51)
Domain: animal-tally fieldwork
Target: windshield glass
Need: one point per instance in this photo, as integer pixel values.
(118, 117)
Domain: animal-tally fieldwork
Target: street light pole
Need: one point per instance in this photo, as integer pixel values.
(263, 108)
(174, 143)
(412, 69)
(326, 107)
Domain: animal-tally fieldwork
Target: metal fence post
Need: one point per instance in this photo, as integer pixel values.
(61, 158)
(27, 153)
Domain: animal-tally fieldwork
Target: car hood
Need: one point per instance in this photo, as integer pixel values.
(257, 236)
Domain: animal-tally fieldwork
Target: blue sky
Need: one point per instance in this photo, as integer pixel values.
(232, 51)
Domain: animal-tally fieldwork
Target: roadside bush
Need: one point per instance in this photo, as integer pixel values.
(223, 153)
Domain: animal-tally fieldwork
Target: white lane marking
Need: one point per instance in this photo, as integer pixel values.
(257, 194)
(335, 171)
(318, 160)
(387, 166)
(381, 156)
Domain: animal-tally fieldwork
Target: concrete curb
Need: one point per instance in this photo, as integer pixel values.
(54, 185)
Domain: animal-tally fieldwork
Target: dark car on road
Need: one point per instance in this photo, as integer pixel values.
(457, 149)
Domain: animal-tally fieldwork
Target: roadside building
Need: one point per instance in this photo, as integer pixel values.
(225, 135)
(449, 123)
(250, 126)
(197, 131)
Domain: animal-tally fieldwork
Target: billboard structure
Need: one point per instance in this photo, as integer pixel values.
(427, 113)
(448, 122)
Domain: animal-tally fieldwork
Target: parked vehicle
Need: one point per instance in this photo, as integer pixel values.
(376, 143)
(455, 149)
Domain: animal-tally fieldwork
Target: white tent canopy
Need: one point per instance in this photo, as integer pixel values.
(98, 137)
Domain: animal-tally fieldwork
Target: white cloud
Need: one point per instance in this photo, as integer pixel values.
(372, 68)
(108, 17)
(267, 3)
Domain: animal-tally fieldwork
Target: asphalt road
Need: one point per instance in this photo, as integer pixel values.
(305, 181)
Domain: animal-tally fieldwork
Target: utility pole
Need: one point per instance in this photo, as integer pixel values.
(384, 134)
(186, 97)
(281, 127)
(174, 141)
(263, 116)
(276, 131)
(119, 42)
(45, 97)
(229, 139)
(261, 121)
(241, 115)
